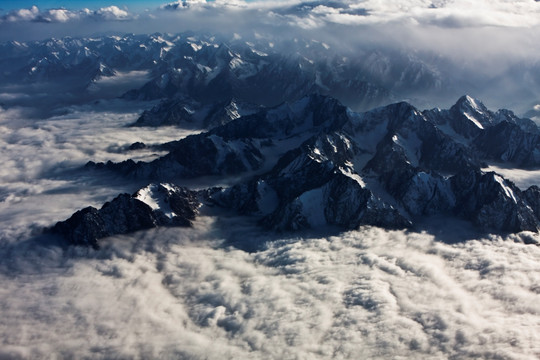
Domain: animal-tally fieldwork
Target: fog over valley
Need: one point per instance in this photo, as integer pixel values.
(270, 180)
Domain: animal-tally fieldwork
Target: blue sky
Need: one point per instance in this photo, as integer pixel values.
(7, 5)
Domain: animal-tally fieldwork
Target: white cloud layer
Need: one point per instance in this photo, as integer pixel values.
(180, 294)
(451, 13)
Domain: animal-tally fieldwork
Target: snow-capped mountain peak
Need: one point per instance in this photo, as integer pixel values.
(474, 111)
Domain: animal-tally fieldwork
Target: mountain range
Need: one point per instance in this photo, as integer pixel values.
(209, 69)
(314, 162)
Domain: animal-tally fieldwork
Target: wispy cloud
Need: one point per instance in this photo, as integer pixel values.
(61, 15)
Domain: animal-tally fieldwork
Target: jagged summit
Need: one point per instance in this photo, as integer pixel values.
(467, 103)
(472, 110)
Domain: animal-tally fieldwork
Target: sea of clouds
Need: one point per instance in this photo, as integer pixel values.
(370, 294)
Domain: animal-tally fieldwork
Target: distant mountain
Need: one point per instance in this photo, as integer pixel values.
(319, 163)
(208, 69)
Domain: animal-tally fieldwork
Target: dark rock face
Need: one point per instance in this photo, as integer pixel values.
(532, 196)
(137, 146)
(82, 228)
(338, 203)
(155, 205)
(494, 203)
(166, 113)
(507, 142)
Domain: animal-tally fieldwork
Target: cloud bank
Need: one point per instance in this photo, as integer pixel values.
(451, 13)
(370, 293)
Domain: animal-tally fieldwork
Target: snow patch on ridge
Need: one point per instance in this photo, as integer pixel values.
(195, 47)
(354, 176)
(474, 121)
(507, 190)
(473, 103)
(156, 198)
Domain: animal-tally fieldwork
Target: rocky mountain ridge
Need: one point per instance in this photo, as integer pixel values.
(151, 206)
(318, 163)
